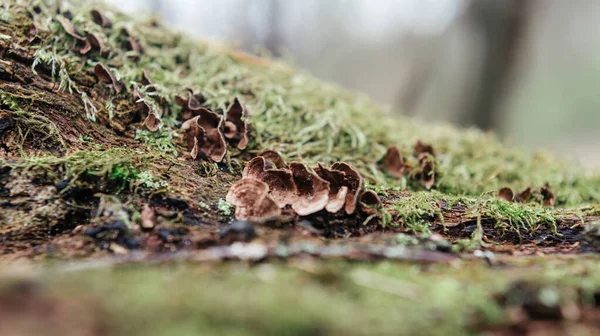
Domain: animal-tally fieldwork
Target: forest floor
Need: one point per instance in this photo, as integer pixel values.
(123, 147)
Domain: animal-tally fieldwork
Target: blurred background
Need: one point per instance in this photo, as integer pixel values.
(528, 70)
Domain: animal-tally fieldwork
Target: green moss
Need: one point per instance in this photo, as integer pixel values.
(325, 297)
(122, 166)
(161, 141)
(308, 120)
(516, 216)
(304, 119)
(30, 124)
(418, 209)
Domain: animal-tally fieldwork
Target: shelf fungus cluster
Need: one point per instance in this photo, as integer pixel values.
(88, 41)
(544, 193)
(424, 172)
(207, 132)
(268, 185)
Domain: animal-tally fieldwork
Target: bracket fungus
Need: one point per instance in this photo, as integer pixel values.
(190, 104)
(346, 185)
(97, 44)
(100, 19)
(506, 194)
(274, 158)
(82, 44)
(280, 181)
(353, 181)
(370, 202)
(549, 197)
(106, 76)
(524, 195)
(252, 201)
(312, 191)
(147, 81)
(203, 134)
(236, 127)
(426, 156)
(509, 195)
(131, 44)
(394, 162)
(427, 174)
(337, 189)
(421, 148)
(70, 28)
(307, 192)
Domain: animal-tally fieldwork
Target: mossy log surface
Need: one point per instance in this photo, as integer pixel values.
(81, 169)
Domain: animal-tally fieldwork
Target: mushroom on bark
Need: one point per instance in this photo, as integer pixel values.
(252, 201)
(312, 191)
(394, 162)
(204, 135)
(236, 127)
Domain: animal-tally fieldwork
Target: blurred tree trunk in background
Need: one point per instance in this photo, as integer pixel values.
(274, 41)
(502, 25)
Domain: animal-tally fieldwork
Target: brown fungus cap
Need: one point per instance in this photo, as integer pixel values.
(100, 19)
(280, 181)
(252, 201)
(190, 104)
(274, 158)
(152, 121)
(337, 200)
(312, 191)
(107, 77)
(427, 174)
(394, 162)
(147, 81)
(84, 47)
(345, 185)
(353, 181)
(32, 32)
(549, 197)
(235, 117)
(131, 43)
(69, 28)
(506, 194)
(204, 135)
(97, 44)
(369, 202)
(421, 148)
(337, 189)
(524, 195)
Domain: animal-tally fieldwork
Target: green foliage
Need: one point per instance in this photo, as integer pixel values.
(225, 208)
(147, 180)
(58, 67)
(515, 216)
(160, 141)
(122, 173)
(121, 166)
(5, 14)
(416, 210)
